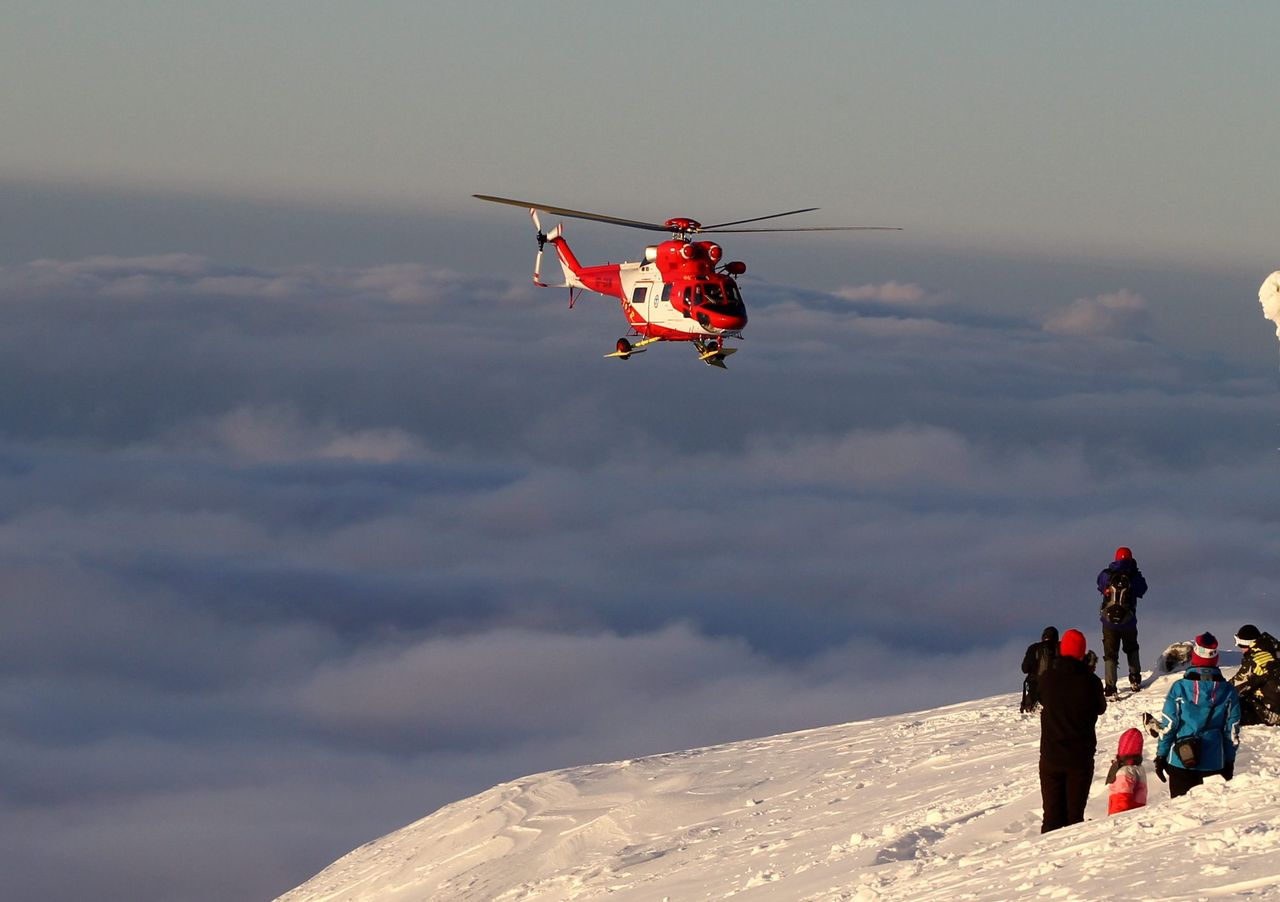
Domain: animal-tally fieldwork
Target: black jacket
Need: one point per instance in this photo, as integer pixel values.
(1072, 701)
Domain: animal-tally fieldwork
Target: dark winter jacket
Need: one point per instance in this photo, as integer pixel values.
(1204, 705)
(1137, 588)
(1072, 701)
(1259, 672)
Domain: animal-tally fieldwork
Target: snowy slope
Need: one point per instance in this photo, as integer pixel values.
(937, 804)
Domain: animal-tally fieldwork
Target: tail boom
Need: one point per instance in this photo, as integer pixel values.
(604, 279)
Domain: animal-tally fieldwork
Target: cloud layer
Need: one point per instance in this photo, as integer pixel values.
(1120, 313)
(293, 555)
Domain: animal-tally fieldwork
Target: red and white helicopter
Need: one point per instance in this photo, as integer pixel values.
(679, 292)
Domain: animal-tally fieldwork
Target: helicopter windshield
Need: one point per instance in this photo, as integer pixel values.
(720, 294)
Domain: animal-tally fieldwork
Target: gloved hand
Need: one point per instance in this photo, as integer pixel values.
(1161, 764)
(1228, 770)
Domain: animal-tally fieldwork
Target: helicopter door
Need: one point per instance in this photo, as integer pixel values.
(642, 300)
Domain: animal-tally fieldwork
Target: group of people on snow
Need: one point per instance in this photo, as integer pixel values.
(1197, 733)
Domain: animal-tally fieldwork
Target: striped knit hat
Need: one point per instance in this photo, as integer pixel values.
(1204, 653)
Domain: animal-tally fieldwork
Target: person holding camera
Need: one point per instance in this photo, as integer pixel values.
(1071, 702)
(1200, 725)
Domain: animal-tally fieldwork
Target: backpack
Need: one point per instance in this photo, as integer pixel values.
(1119, 583)
(1046, 654)
(1116, 607)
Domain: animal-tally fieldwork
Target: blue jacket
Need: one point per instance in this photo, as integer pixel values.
(1202, 704)
(1137, 588)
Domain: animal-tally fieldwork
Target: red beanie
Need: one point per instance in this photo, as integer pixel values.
(1072, 645)
(1205, 651)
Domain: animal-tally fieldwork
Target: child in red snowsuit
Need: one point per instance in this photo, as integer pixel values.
(1127, 777)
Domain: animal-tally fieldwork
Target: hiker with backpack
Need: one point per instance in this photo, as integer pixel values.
(1200, 725)
(1121, 584)
(1039, 658)
(1258, 679)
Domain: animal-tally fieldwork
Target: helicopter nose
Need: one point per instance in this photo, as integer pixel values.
(734, 322)
(725, 321)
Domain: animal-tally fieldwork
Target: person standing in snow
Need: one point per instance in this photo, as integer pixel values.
(1200, 725)
(1127, 777)
(1121, 584)
(1071, 702)
(1258, 679)
(1039, 658)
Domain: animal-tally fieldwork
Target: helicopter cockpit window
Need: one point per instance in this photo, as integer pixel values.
(666, 292)
(731, 289)
(714, 295)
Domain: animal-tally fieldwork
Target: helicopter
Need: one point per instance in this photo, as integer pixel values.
(680, 291)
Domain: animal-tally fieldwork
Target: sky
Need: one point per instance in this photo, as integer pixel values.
(316, 515)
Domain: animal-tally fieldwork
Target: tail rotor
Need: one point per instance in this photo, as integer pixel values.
(542, 239)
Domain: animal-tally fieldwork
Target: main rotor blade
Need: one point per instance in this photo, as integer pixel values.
(663, 227)
(575, 214)
(815, 229)
(758, 218)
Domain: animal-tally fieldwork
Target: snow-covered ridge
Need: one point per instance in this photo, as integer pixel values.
(932, 805)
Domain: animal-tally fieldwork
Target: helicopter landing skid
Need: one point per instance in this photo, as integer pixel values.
(626, 349)
(717, 352)
(625, 354)
(713, 353)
